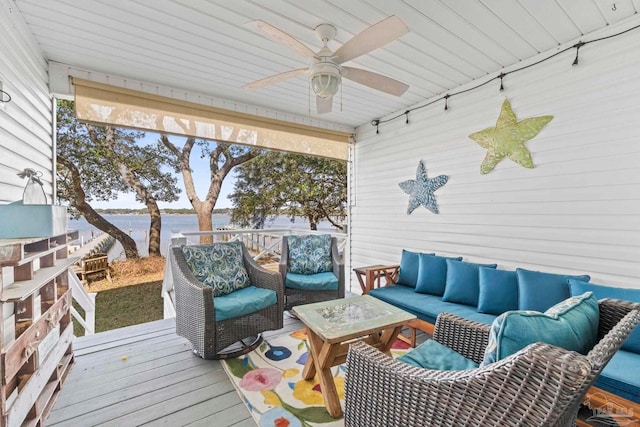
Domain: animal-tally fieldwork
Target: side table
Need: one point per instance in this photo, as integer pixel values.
(370, 275)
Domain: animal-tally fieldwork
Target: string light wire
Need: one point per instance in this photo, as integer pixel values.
(377, 122)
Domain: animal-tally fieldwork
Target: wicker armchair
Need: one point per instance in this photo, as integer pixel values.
(300, 296)
(195, 309)
(541, 385)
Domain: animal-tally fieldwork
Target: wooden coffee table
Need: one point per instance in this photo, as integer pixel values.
(333, 325)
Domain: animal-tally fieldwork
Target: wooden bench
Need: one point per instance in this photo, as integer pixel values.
(94, 266)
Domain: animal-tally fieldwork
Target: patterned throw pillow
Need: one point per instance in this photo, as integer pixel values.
(310, 254)
(218, 265)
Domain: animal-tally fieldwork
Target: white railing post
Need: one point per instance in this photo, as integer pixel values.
(86, 300)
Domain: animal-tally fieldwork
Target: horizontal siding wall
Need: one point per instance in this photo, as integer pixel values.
(577, 211)
(26, 139)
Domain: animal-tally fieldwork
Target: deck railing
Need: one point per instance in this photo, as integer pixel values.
(266, 244)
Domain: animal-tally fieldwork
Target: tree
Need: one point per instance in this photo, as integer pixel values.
(299, 186)
(98, 162)
(223, 157)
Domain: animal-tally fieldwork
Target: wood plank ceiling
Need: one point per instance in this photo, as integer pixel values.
(206, 46)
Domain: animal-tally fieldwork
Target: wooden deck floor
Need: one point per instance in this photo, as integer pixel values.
(147, 375)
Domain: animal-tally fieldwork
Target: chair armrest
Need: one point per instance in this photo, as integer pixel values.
(194, 300)
(261, 277)
(538, 384)
(337, 266)
(283, 266)
(611, 313)
(463, 336)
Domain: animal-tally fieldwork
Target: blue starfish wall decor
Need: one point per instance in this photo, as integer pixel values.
(421, 189)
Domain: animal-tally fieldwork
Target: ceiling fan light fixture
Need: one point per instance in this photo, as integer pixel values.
(325, 79)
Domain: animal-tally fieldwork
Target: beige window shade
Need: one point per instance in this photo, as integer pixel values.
(110, 105)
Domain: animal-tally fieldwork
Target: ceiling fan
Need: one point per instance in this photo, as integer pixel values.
(326, 70)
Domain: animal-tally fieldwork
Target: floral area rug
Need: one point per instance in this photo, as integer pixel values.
(269, 381)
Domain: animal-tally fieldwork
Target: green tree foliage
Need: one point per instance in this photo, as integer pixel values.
(283, 183)
(99, 162)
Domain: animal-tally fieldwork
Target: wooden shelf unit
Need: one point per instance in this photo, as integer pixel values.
(36, 331)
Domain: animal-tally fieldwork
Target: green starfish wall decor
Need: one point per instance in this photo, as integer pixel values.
(507, 138)
(421, 189)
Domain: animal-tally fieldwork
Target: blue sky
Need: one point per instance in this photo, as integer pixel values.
(201, 178)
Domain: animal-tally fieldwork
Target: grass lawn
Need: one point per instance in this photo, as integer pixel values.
(132, 297)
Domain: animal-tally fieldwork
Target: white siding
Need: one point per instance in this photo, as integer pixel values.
(26, 139)
(577, 211)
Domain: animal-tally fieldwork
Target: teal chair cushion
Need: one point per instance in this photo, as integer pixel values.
(219, 265)
(408, 273)
(309, 254)
(433, 355)
(463, 282)
(600, 291)
(571, 324)
(621, 376)
(243, 302)
(312, 282)
(432, 274)
(538, 291)
(498, 291)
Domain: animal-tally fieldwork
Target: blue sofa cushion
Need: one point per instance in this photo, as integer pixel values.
(498, 291)
(432, 274)
(309, 254)
(538, 291)
(219, 265)
(600, 291)
(425, 306)
(572, 324)
(312, 282)
(433, 355)
(408, 273)
(463, 283)
(242, 302)
(621, 376)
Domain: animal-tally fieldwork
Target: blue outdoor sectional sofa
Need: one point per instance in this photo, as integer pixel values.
(428, 285)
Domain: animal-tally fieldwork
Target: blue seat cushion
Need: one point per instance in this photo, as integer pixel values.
(600, 291)
(408, 273)
(432, 274)
(463, 282)
(425, 306)
(312, 282)
(498, 291)
(621, 376)
(572, 324)
(309, 254)
(219, 265)
(242, 302)
(538, 291)
(433, 355)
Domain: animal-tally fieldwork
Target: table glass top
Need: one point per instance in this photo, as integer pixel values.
(348, 316)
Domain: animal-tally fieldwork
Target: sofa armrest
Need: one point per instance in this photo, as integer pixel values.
(463, 336)
(537, 384)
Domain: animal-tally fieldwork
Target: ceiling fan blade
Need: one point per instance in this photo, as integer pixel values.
(324, 105)
(375, 81)
(275, 79)
(372, 38)
(281, 37)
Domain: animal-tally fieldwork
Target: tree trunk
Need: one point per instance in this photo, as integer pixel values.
(205, 222)
(93, 217)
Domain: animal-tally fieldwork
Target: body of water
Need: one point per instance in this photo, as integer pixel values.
(137, 226)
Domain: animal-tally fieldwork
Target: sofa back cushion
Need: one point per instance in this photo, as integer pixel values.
(408, 273)
(572, 324)
(463, 282)
(498, 291)
(538, 291)
(432, 274)
(600, 291)
(219, 265)
(309, 254)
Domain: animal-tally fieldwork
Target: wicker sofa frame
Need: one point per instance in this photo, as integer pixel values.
(300, 296)
(195, 308)
(541, 385)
